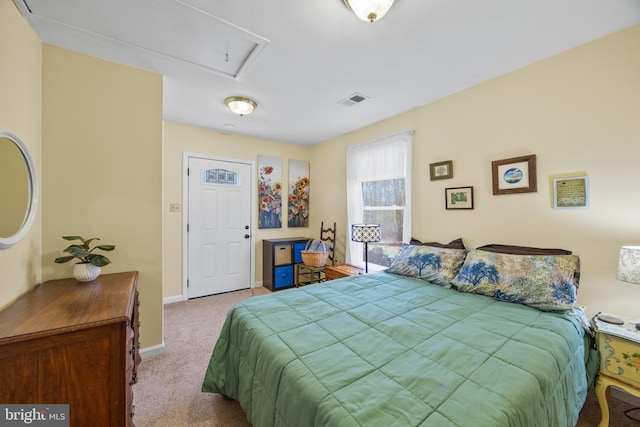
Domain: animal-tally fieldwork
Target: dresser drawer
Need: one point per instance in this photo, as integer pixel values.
(283, 276)
(130, 348)
(619, 359)
(131, 411)
(297, 252)
(128, 383)
(282, 254)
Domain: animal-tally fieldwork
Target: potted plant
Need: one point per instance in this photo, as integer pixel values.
(88, 267)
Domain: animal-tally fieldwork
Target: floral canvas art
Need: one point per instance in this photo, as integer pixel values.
(269, 192)
(298, 193)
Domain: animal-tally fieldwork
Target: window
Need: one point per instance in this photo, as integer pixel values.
(379, 192)
(220, 176)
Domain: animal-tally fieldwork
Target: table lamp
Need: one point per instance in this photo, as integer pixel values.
(629, 266)
(365, 233)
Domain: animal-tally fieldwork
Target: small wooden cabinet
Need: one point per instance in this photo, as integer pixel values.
(279, 257)
(341, 270)
(619, 363)
(74, 343)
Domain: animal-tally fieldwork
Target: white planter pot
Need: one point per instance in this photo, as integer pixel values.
(85, 272)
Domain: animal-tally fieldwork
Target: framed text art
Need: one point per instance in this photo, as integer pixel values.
(441, 170)
(458, 198)
(571, 193)
(514, 175)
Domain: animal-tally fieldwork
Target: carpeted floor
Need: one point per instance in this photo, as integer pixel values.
(168, 391)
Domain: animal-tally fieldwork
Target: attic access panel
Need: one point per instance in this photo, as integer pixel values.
(167, 27)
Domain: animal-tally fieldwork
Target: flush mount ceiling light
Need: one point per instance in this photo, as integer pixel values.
(369, 10)
(240, 105)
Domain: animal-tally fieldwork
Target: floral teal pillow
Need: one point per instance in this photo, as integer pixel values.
(545, 282)
(436, 265)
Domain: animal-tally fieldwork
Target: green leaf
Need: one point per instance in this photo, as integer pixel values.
(77, 251)
(83, 251)
(87, 242)
(99, 260)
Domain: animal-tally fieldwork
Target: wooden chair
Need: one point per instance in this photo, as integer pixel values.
(306, 274)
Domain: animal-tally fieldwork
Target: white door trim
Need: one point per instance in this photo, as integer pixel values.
(185, 214)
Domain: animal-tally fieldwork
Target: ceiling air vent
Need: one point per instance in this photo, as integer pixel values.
(354, 99)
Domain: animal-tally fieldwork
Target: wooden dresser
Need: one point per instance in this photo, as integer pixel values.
(74, 343)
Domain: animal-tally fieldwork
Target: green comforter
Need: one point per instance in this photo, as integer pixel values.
(387, 350)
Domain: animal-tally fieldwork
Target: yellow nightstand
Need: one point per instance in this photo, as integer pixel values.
(619, 347)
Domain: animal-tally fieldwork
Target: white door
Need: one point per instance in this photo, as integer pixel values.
(218, 227)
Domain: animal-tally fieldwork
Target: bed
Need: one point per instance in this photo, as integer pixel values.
(420, 344)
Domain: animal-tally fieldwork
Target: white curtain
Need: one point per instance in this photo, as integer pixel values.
(385, 158)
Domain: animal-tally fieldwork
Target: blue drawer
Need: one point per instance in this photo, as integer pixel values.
(283, 276)
(297, 249)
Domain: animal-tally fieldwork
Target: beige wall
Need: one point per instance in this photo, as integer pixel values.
(579, 112)
(179, 139)
(102, 169)
(20, 112)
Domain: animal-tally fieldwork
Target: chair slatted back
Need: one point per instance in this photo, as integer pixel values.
(328, 235)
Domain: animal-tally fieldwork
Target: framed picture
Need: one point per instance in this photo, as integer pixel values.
(270, 192)
(441, 170)
(298, 193)
(514, 175)
(458, 198)
(571, 193)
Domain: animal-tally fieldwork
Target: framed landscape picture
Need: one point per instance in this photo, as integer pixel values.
(458, 198)
(514, 175)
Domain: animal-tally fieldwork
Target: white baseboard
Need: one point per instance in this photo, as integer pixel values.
(180, 298)
(152, 351)
(175, 298)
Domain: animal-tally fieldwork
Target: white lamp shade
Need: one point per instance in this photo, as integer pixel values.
(369, 10)
(629, 264)
(365, 233)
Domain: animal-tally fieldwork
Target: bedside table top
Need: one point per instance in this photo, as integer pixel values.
(627, 330)
(345, 269)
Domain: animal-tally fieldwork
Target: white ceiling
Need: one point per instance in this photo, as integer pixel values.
(298, 59)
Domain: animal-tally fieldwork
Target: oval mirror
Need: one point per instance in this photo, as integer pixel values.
(18, 189)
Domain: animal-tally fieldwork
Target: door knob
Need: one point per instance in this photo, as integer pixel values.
(246, 236)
